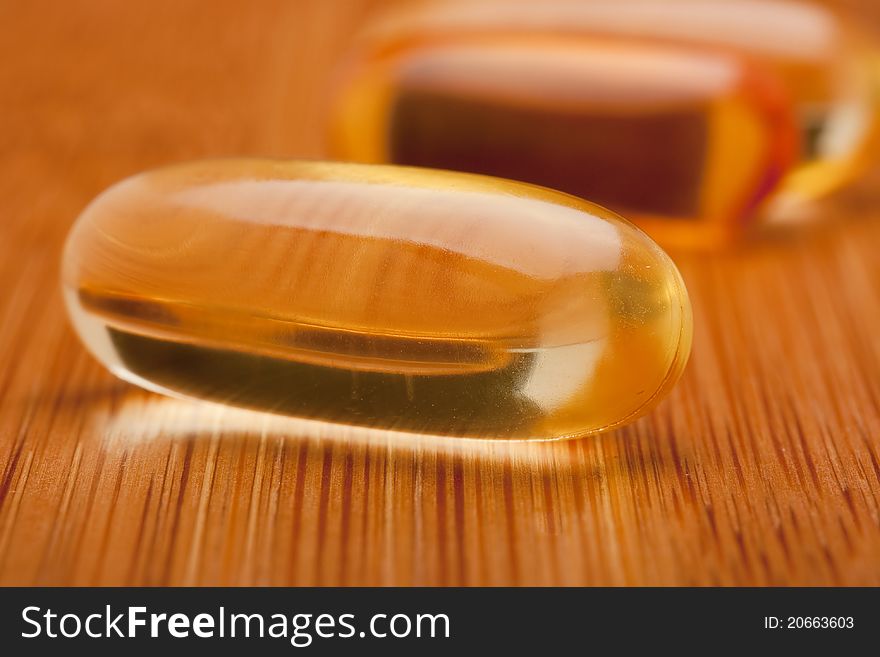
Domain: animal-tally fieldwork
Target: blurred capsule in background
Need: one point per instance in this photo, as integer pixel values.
(687, 116)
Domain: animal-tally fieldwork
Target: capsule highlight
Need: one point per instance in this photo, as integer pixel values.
(378, 296)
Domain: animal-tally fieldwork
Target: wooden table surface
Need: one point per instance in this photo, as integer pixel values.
(763, 467)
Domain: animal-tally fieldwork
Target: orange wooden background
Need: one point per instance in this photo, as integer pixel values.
(762, 468)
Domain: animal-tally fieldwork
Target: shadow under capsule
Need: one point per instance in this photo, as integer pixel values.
(143, 420)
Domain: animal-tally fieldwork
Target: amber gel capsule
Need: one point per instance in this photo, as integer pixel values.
(684, 114)
(378, 296)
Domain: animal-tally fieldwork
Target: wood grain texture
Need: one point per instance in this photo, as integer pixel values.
(763, 467)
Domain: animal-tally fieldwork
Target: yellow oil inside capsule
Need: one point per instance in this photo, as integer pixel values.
(378, 296)
(684, 114)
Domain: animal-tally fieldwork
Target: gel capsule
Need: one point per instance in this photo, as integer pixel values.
(683, 114)
(378, 296)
